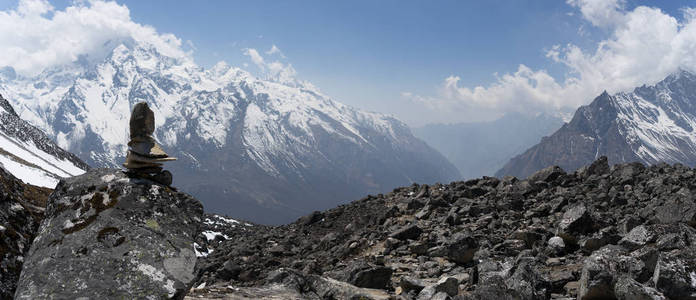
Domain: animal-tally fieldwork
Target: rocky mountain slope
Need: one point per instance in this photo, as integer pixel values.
(27, 153)
(651, 124)
(481, 149)
(266, 150)
(621, 232)
(21, 211)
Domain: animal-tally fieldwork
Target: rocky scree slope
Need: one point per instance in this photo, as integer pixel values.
(652, 124)
(21, 210)
(27, 153)
(108, 236)
(620, 232)
(268, 150)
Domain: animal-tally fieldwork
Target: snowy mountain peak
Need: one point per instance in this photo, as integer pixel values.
(275, 143)
(655, 123)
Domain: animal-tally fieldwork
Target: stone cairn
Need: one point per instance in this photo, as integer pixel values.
(145, 156)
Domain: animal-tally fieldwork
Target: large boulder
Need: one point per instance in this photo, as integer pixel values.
(108, 236)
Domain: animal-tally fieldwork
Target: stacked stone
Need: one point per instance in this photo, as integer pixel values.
(145, 156)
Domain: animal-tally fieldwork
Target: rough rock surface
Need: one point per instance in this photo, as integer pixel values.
(596, 233)
(108, 236)
(21, 209)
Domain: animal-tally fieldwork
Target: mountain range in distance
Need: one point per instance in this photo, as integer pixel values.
(270, 150)
(265, 150)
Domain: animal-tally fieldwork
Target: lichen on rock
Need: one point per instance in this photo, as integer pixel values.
(106, 235)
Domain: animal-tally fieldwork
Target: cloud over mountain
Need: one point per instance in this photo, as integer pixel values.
(36, 36)
(642, 46)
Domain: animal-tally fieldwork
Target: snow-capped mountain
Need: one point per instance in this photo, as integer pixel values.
(30, 155)
(651, 124)
(258, 149)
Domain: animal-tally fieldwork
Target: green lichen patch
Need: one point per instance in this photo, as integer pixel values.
(152, 224)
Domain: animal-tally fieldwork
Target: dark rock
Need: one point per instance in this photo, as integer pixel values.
(530, 237)
(576, 220)
(106, 235)
(327, 288)
(598, 240)
(601, 270)
(312, 218)
(408, 284)
(410, 232)
(527, 282)
(365, 275)
(677, 210)
(675, 274)
(460, 248)
(636, 238)
(548, 174)
(229, 270)
(598, 167)
(494, 288)
(448, 285)
(19, 220)
(626, 288)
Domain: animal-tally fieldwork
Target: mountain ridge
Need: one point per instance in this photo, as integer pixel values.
(651, 124)
(277, 149)
(30, 155)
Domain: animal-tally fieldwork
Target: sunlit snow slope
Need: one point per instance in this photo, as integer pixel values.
(29, 155)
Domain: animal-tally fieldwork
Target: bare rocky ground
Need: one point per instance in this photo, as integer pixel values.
(621, 232)
(21, 210)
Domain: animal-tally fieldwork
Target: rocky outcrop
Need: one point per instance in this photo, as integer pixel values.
(620, 232)
(21, 210)
(108, 236)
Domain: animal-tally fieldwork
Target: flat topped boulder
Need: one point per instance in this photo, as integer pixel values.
(109, 236)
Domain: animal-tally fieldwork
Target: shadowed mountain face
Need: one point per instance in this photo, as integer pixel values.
(480, 149)
(649, 125)
(263, 150)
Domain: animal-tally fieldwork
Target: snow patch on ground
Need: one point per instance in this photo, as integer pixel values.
(28, 174)
(211, 235)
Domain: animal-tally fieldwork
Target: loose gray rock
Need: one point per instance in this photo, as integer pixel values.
(410, 232)
(408, 284)
(675, 274)
(556, 243)
(627, 288)
(576, 220)
(108, 236)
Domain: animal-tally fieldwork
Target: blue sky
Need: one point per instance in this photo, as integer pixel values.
(392, 56)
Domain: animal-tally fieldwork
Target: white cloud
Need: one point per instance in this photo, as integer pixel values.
(644, 46)
(256, 58)
(34, 35)
(602, 13)
(275, 50)
(275, 70)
